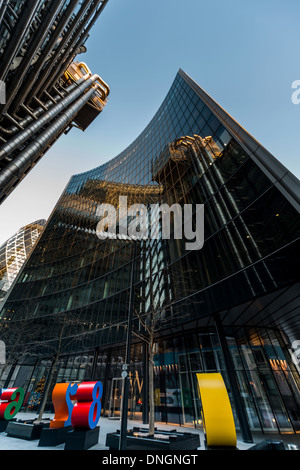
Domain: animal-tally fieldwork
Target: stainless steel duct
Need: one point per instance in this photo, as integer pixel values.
(19, 33)
(27, 157)
(63, 45)
(69, 55)
(34, 114)
(44, 57)
(35, 44)
(3, 8)
(31, 130)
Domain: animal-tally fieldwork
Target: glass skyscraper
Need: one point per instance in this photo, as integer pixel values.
(239, 293)
(15, 251)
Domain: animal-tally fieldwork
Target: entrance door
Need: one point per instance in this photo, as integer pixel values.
(115, 399)
(134, 398)
(190, 400)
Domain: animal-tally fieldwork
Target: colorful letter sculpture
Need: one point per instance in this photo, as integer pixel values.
(61, 399)
(87, 410)
(11, 402)
(84, 413)
(218, 422)
(77, 410)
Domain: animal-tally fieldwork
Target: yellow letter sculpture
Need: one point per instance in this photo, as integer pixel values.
(218, 422)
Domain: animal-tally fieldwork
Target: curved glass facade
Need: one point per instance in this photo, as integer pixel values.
(191, 152)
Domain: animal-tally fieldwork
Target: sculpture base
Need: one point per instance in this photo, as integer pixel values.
(82, 439)
(3, 425)
(25, 430)
(139, 439)
(51, 437)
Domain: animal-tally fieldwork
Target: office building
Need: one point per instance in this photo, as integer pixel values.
(15, 251)
(230, 306)
(44, 89)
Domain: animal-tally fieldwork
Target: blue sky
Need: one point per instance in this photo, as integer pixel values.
(243, 53)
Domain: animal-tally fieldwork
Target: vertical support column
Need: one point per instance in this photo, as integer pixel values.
(124, 415)
(146, 385)
(9, 376)
(106, 388)
(239, 405)
(96, 354)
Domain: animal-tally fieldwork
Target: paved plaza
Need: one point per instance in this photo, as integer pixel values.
(291, 441)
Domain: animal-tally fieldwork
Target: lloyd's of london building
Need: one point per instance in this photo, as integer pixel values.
(44, 91)
(231, 306)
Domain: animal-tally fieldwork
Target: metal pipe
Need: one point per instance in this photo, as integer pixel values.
(12, 130)
(40, 35)
(20, 32)
(33, 74)
(70, 53)
(21, 137)
(103, 84)
(27, 157)
(13, 121)
(83, 65)
(37, 112)
(59, 92)
(40, 103)
(3, 9)
(62, 46)
(100, 80)
(8, 23)
(28, 111)
(50, 97)
(77, 83)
